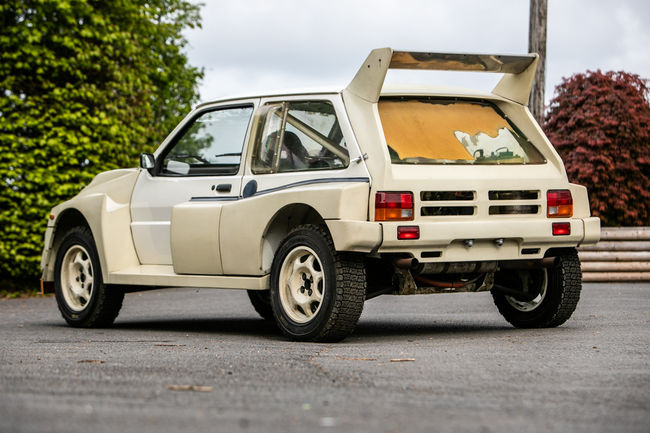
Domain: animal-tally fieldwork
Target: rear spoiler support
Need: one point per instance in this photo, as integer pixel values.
(519, 71)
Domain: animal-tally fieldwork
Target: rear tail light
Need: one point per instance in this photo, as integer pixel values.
(561, 229)
(394, 206)
(408, 232)
(559, 203)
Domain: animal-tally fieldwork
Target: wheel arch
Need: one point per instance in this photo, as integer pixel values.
(285, 220)
(68, 218)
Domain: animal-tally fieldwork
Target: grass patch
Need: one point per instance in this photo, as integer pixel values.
(12, 289)
(12, 294)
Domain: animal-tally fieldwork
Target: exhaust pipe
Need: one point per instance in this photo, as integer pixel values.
(406, 263)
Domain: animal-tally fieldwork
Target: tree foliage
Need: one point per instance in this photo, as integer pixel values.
(85, 86)
(600, 124)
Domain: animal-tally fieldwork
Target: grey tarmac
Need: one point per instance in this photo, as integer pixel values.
(187, 360)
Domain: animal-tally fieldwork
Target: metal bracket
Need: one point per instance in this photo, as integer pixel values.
(360, 158)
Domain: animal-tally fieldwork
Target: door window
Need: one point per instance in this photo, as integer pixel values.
(210, 146)
(300, 136)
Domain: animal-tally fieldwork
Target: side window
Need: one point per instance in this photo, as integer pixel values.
(300, 136)
(211, 146)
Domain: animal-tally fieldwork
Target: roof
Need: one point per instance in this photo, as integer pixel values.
(387, 90)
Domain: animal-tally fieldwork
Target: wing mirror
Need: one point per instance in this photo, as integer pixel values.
(147, 161)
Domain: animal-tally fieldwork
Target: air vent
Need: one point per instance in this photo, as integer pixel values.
(526, 251)
(513, 195)
(447, 195)
(430, 254)
(447, 210)
(514, 210)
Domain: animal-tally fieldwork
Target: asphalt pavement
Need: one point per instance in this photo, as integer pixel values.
(183, 360)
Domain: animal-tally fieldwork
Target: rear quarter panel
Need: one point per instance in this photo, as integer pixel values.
(245, 222)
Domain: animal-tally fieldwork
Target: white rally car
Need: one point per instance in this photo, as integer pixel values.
(315, 202)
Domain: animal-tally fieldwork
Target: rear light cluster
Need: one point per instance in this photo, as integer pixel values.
(397, 206)
(559, 203)
(394, 206)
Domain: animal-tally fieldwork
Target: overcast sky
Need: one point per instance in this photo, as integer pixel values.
(249, 47)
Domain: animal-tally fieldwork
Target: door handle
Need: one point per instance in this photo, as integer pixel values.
(222, 187)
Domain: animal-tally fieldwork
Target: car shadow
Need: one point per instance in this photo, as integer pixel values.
(369, 329)
(389, 329)
(233, 326)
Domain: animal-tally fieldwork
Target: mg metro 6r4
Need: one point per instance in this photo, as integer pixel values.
(315, 202)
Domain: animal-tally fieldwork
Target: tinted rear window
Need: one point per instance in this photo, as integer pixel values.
(421, 131)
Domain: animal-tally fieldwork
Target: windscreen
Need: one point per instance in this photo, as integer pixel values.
(422, 131)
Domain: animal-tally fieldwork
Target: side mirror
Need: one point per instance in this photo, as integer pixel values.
(147, 161)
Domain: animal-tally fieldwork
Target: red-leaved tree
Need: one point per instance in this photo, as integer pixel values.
(600, 124)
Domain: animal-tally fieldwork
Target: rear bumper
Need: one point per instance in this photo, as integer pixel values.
(446, 241)
(592, 231)
(505, 239)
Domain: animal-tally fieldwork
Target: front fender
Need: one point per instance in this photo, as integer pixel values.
(105, 206)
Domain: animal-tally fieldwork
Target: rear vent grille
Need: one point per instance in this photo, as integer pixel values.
(514, 210)
(513, 195)
(467, 203)
(446, 210)
(530, 251)
(447, 195)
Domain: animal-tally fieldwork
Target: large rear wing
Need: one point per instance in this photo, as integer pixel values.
(515, 85)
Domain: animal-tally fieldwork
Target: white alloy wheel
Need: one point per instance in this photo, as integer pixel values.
(301, 284)
(77, 278)
(526, 306)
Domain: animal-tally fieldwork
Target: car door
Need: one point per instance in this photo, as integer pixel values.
(202, 159)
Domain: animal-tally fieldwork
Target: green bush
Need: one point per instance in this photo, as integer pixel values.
(85, 86)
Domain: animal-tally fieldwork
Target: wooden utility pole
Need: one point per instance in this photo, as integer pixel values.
(537, 44)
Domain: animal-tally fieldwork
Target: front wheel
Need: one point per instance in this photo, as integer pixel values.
(553, 293)
(317, 293)
(83, 298)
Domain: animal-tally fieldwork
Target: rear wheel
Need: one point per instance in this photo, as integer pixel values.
(81, 295)
(552, 294)
(317, 293)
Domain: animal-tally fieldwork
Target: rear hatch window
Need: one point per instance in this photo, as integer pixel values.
(434, 131)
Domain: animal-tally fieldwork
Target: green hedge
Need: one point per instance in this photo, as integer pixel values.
(85, 86)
